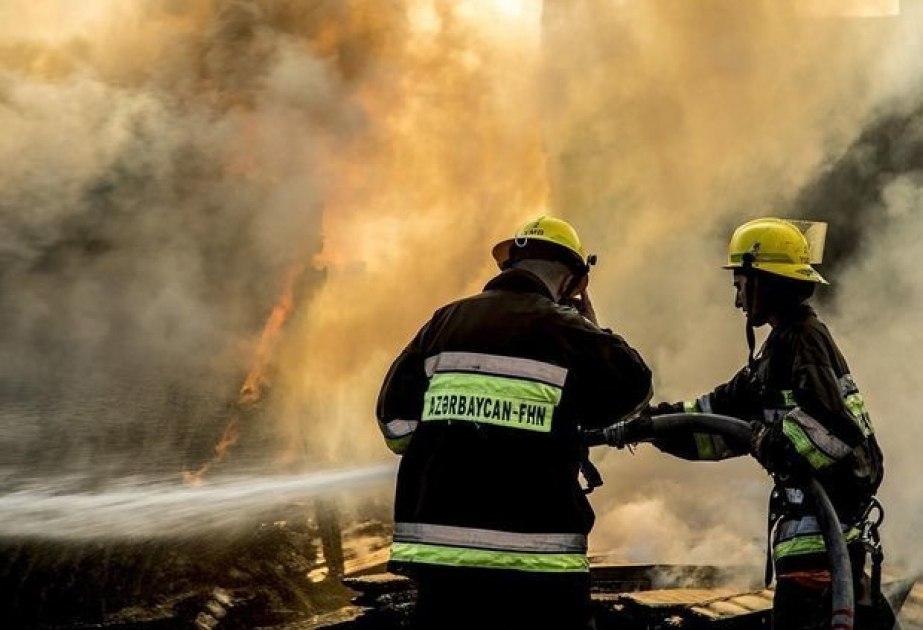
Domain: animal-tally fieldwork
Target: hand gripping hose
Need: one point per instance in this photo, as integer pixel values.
(739, 432)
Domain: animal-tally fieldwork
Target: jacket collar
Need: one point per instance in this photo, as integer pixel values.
(518, 281)
(797, 313)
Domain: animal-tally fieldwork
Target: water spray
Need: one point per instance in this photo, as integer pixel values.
(156, 510)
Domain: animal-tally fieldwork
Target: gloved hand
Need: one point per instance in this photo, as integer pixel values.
(662, 409)
(630, 431)
(770, 448)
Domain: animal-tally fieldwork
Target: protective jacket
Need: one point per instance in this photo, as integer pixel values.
(799, 390)
(485, 404)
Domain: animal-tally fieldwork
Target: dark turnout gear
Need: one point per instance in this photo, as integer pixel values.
(809, 419)
(485, 403)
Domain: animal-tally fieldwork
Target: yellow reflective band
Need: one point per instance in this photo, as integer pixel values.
(497, 400)
(691, 406)
(813, 543)
(803, 444)
(488, 559)
(705, 445)
(799, 546)
(398, 445)
(856, 405)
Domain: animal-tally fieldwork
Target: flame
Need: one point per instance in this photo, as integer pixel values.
(257, 381)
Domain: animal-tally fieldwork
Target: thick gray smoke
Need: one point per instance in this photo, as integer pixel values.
(156, 187)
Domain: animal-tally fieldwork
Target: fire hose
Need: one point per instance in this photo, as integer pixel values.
(740, 431)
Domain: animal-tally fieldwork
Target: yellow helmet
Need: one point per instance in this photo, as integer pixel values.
(547, 229)
(775, 246)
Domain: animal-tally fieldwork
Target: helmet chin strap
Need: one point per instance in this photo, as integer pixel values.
(751, 276)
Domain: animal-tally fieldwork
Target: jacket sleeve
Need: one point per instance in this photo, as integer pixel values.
(400, 401)
(730, 399)
(820, 429)
(621, 381)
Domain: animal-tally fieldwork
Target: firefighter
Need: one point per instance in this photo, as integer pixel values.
(490, 518)
(809, 420)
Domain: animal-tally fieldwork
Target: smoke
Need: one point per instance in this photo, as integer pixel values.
(166, 165)
(161, 172)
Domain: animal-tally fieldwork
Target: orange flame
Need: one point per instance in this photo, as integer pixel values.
(257, 381)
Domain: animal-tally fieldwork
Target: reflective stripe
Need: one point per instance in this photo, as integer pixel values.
(484, 558)
(399, 445)
(705, 446)
(489, 538)
(788, 398)
(799, 546)
(496, 400)
(770, 416)
(812, 440)
(398, 428)
(847, 385)
(802, 536)
(795, 496)
(792, 528)
(497, 365)
(855, 403)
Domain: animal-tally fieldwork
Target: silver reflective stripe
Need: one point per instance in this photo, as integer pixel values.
(398, 428)
(489, 538)
(805, 526)
(795, 496)
(497, 365)
(847, 385)
(831, 445)
(772, 415)
(792, 529)
(705, 403)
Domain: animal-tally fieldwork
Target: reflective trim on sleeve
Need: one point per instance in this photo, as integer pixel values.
(705, 446)
(855, 403)
(398, 428)
(497, 365)
(847, 385)
(489, 538)
(812, 440)
(770, 416)
(398, 433)
(496, 400)
(488, 559)
(399, 445)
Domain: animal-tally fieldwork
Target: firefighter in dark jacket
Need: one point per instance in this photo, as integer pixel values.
(485, 404)
(809, 419)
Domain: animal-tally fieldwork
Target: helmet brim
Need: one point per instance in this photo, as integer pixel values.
(805, 273)
(501, 251)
